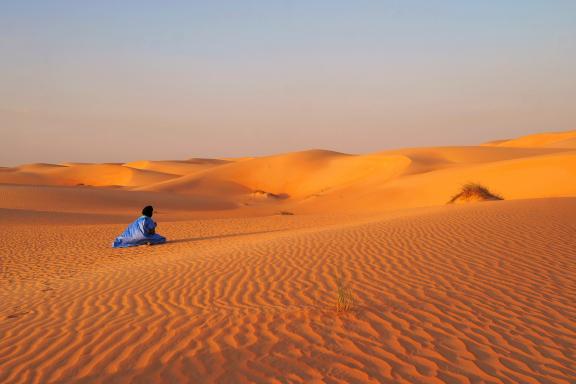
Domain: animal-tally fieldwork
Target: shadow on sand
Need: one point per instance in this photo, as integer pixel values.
(192, 239)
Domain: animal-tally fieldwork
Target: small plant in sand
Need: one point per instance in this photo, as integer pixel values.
(345, 300)
(474, 192)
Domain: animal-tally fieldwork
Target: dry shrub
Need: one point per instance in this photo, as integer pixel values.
(474, 192)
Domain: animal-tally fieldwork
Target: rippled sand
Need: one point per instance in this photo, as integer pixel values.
(473, 293)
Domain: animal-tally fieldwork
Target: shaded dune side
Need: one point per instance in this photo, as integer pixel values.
(176, 167)
(462, 294)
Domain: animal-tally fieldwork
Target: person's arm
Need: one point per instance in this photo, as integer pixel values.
(150, 226)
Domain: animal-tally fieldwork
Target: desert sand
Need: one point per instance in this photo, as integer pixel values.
(260, 247)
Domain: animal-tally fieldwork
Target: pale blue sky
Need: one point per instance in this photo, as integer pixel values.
(127, 80)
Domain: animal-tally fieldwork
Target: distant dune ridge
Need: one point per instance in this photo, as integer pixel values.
(542, 140)
(541, 165)
(311, 266)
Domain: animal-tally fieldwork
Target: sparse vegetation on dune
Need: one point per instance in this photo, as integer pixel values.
(345, 299)
(268, 195)
(474, 192)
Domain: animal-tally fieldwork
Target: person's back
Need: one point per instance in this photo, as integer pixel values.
(141, 231)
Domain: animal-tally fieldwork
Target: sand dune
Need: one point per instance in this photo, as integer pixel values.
(246, 288)
(533, 166)
(551, 175)
(301, 182)
(550, 139)
(436, 157)
(177, 167)
(80, 174)
(475, 293)
(106, 201)
(293, 175)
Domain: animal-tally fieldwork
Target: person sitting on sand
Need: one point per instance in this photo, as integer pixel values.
(141, 231)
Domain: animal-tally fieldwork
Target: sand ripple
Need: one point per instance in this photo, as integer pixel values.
(481, 293)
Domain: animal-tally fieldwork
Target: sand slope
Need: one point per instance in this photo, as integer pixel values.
(176, 167)
(87, 200)
(80, 174)
(548, 175)
(565, 139)
(291, 175)
(459, 294)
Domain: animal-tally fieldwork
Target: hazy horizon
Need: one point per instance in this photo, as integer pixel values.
(117, 82)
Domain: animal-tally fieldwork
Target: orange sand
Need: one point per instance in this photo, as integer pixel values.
(479, 292)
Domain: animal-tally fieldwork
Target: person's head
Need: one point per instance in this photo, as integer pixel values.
(148, 211)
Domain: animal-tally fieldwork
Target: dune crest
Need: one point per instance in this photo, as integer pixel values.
(176, 167)
(545, 140)
(98, 175)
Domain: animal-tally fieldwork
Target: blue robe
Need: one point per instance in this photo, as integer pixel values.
(138, 233)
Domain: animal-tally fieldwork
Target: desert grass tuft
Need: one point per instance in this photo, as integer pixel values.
(345, 301)
(474, 192)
